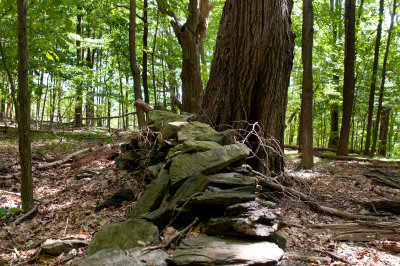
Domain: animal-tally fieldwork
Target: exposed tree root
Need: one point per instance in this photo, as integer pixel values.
(268, 182)
(66, 159)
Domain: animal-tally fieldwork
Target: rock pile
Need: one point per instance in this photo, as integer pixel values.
(195, 173)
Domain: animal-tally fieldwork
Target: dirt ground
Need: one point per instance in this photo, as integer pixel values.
(67, 208)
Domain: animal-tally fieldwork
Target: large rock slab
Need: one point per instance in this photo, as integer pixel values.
(170, 130)
(209, 162)
(209, 250)
(152, 196)
(192, 186)
(192, 146)
(124, 235)
(230, 180)
(55, 247)
(117, 256)
(225, 196)
(245, 219)
(193, 130)
(161, 118)
(223, 138)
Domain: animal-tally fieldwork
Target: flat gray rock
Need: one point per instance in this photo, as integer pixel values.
(162, 118)
(229, 180)
(124, 235)
(208, 162)
(225, 196)
(208, 250)
(193, 130)
(109, 256)
(57, 246)
(152, 196)
(190, 146)
(148, 258)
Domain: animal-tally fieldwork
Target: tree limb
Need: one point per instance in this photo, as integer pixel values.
(47, 165)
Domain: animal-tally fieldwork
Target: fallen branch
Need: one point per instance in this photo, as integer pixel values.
(263, 181)
(66, 159)
(11, 193)
(332, 255)
(23, 217)
(174, 237)
(31, 259)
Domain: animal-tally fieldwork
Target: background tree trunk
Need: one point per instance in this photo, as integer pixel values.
(133, 61)
(348, 83)
(79, 89)
(250, 72)
(334, 134)
(383, 131)
(382, 88)
(24, 111)
(307, 90)
(373, 80)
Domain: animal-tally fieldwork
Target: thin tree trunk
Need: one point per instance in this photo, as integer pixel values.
(383, 132)
(145, 54)
(373, 79)
(44, 102)
(39, 98)
(133, 60)
(307, 88)
(348, 83)
(382, 88)
(24, 111)
(79, 56)
(153, 63)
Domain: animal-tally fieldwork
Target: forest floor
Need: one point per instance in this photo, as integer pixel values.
(67, 205)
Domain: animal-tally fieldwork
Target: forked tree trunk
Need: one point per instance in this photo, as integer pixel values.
(382, 87)
(250, 72)
(348, 83)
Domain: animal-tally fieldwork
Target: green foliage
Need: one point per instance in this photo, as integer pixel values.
(13, 211)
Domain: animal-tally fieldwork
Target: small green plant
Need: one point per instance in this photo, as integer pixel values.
(13, 211)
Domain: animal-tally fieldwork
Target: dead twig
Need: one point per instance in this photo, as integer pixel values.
(269, 182)
(332, 255)
(66, 159)
(23, 217)
(174, 237)
(31, 259)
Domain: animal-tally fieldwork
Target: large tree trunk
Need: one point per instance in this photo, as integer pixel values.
(307, 88)
(24, 111)
(133, 61)
(348, 83)
(382, 88)
(373, 80)
(250, 72)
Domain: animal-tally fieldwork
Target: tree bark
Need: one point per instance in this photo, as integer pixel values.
(250, 72)
(190, 36)
(382, 88)
(307, 90)
(383, 132)
(145, 47)
(24, 111)
(348, 83)
(79, 56)
(373, 80)
(133, 61)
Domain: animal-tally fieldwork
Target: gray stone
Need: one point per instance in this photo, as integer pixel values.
(208, 250)
(279, 238)
(124, 235)
(152, 196)
(84, 173)
(227, 180)
(193, 130)
(57, 246)
(148, 258)
(108, 257)
(193, 185)
(190, 146)
(225, 196)
(160, 118)
(154, 170)
(170, 130)
(208, 162)
(223, 138)
(247, 219)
